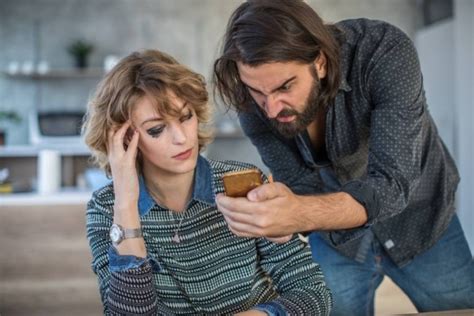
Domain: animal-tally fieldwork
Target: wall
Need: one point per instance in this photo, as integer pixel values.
(438, 76)
(464, 111)
(188, 29)
(402, 13)
(446, 50)
(41, 30)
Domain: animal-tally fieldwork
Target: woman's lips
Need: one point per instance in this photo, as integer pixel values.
(184, 155)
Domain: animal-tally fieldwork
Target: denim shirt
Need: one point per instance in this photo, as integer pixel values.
(381, 142)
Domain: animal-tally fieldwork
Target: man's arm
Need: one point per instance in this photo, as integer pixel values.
(272, 210)
(283, 210)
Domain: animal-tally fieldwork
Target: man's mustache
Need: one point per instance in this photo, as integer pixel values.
(287, 112)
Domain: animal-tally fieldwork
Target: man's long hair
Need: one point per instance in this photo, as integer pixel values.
(266, 31)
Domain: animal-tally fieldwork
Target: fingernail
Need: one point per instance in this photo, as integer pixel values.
(270, 178)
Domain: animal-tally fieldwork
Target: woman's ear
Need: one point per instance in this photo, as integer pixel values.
(321, 65)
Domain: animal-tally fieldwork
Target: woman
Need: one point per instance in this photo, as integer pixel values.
(158, 242)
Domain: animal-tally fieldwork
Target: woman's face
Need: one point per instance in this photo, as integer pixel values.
(168, 145)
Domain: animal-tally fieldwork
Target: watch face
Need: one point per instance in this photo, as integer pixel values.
(115, 233)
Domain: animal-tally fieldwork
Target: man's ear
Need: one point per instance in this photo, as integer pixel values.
(321, 65)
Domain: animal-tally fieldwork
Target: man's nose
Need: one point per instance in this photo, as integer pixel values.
(272, 106)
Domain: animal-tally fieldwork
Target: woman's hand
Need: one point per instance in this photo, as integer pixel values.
(122, 149)
(122, 161)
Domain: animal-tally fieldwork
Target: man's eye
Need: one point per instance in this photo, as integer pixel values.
(186, 117)
(285, 87)
(252, 91)
(155, 131)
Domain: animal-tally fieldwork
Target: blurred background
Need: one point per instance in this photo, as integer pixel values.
(54, 52)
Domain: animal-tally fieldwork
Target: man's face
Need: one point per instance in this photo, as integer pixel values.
(287, 92)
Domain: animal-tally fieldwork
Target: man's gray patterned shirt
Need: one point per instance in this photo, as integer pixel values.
(382, 146)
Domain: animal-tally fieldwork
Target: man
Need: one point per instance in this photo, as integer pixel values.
(338, 114)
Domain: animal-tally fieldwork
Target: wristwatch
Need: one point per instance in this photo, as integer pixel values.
(118, 233)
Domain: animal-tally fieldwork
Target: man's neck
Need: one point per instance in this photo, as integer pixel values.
(317, 132)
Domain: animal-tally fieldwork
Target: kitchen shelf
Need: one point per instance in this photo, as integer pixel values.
(32, 151)
(59, 74)
(68, 196)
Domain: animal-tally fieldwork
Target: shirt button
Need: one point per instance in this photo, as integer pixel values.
(389, 244)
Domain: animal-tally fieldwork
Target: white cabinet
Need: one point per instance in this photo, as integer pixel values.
(22, 163)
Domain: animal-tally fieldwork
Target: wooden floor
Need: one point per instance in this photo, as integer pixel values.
(45, 266)
(390, 300)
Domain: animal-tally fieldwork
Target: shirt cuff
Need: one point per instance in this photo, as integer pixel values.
(119, 263)
(365, 195)
(271, 308)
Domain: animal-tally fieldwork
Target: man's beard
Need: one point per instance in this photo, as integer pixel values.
(311, 109)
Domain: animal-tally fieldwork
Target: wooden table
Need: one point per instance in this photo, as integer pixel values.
(463, 312)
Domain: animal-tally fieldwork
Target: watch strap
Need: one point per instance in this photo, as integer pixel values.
(132, 233)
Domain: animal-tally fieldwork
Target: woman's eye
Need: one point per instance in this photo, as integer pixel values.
(186, 117)
(155, 131)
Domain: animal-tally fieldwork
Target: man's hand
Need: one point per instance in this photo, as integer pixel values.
(271, 211)
(280, 240)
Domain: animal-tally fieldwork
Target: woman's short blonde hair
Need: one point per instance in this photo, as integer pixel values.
(149, 73)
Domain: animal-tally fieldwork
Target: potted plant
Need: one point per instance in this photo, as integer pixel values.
(80, 51)
(11, 116)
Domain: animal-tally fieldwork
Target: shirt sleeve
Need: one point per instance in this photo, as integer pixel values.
(118, 262)
(297, 279)
(398, 126)
(272, 309)
(366, 196)
(123, 291)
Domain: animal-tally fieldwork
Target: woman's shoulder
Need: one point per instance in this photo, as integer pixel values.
(224, 166)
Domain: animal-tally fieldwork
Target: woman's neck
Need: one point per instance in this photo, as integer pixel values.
(172, 191)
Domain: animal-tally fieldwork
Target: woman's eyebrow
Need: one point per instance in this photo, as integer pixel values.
(157, 118)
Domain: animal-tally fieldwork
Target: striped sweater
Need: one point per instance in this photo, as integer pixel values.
(211, 271)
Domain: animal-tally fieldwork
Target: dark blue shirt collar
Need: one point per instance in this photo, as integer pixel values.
(203, 190)
(344, 85)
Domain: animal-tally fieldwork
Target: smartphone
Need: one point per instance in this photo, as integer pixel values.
(239, 183)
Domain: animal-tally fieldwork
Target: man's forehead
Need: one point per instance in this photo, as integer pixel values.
(266, 77)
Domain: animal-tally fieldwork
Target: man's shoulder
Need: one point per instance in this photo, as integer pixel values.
(371, 32)
(365, 43)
